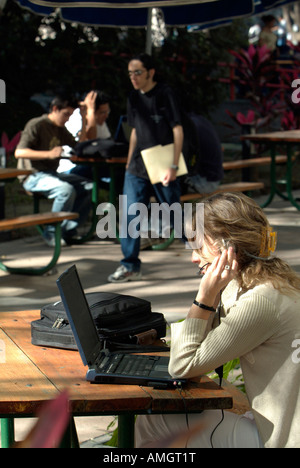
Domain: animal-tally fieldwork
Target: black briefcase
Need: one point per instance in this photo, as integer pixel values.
(123, 322)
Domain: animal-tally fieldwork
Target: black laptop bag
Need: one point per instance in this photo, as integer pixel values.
(99, 148)
(123, 323)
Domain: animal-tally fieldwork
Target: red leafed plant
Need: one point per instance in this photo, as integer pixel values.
(290, 121)
(10, 145)
(255, 68)
(251, 119)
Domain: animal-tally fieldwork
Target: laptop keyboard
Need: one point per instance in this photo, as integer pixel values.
(128, 365)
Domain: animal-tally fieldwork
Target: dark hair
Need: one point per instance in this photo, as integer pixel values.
(146, 60)
(266, 19)
(62, 102)
(101, 99)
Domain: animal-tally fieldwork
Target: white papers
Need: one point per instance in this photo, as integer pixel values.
(159, 159)
(67, 152)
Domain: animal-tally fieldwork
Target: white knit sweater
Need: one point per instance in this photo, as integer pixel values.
(260, 327)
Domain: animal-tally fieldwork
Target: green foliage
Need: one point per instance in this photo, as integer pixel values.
(113, 441)
(233, 373)
(229, 366)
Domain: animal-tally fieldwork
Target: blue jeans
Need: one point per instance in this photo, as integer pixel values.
(139, 190)
(69, 193)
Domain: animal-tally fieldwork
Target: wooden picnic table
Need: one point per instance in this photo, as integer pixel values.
(289, 139)
(31, 375)
(37, 219)
(12, 173)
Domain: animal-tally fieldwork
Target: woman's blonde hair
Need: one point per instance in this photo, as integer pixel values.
(237, 220)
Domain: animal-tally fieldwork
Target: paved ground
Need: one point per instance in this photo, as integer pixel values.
(169, 282)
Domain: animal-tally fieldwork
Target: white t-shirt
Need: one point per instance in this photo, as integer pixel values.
(74, 125)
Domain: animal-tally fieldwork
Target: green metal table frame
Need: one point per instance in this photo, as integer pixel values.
(95, 195)
(288, 177)
(42, 270)
(126, 424)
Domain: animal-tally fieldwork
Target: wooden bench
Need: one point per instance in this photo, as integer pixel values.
(234, 187)
(252, 162)
(38, 219)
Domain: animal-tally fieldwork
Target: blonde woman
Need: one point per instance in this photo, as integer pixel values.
(247, 307)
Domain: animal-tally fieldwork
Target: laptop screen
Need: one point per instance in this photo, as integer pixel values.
(79, 315)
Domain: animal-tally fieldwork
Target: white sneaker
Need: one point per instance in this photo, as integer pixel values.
(121, 275)
(50, 241)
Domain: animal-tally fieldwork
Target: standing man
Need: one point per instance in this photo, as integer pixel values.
(40, 149)
(155, 118)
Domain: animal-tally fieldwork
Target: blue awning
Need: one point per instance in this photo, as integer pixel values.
(134, 13)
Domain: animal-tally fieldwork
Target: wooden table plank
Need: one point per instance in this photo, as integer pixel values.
(23, 386)
(11, 173)
(65, 370)
(30, 374)
(197, 396)
(289, 136)
(35, 219)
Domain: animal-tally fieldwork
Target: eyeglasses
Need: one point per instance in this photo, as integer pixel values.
(136, 73)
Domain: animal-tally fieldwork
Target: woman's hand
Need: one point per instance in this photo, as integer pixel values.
(217, 276)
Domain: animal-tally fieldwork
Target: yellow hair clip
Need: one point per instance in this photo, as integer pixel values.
(272, 240)
(268, 242)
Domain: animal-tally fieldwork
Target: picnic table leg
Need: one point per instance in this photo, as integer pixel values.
(39, 271)
(165, 243)
(289, 182)
(113, 192)
(112, 185)
(2, 202)
(273, 189)
(70, 439)
(7, 432)
(95, 201)
(126, 424)
(36, 209)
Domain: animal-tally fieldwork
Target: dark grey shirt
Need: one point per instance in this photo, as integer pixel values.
(41, 134)
(153, 115)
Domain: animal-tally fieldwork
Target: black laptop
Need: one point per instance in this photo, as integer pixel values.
(105, 366)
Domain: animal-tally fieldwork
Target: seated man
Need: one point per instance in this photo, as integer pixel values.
(40, 148)
(98, 110)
